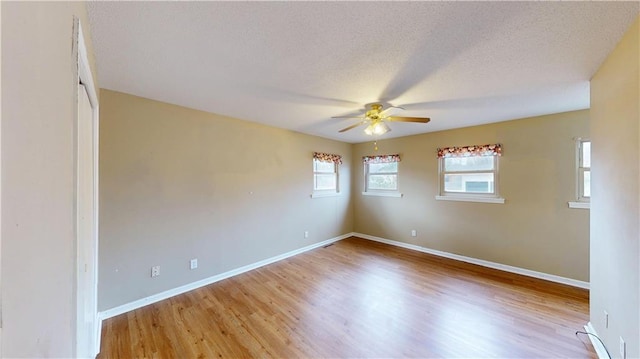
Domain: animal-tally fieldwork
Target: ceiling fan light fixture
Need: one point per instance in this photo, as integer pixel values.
(376, 120)
(369, 130)
(377, 128)
(381, 128)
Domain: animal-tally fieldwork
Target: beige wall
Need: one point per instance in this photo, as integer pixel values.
(615, 211)
(534, 229)
(38, 121)
(177, 184)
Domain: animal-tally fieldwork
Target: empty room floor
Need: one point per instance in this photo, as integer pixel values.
(358, 298)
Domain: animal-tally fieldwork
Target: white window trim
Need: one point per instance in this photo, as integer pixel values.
(581, 202)
(471, 197)
(465, 198)
(580, 205)
(320, 193)
(378, 193)
(381, 192)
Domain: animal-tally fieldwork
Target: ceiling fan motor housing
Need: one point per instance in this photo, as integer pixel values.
(374, 113)
(375, 119)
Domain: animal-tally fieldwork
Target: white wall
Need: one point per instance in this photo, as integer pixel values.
(615, 190)
(38, 117)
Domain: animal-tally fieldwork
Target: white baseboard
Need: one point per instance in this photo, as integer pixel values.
(597, 345)
(109, 313)
(481, 262)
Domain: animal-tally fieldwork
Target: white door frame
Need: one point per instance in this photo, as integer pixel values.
(85, 77)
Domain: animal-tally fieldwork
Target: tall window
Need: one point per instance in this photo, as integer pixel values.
(470, 172)
(381, 174)
(584, 170)
(325, 174)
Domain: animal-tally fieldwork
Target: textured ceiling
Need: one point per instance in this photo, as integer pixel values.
(295, 64)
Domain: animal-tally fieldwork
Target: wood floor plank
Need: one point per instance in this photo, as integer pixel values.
(359, 298)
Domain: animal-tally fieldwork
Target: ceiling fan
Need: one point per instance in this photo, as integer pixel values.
(376, 119)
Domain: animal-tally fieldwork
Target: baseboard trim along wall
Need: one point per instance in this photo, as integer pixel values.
(597, 345)
(109, 313)
(480, 262)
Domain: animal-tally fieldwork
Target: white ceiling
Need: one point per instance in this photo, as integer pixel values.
(295, 64)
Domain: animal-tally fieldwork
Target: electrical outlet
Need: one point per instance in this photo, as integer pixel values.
(155, 271)
(306, 234)
(193, 264)
(606, 319)
(414, 233)
(623, 349)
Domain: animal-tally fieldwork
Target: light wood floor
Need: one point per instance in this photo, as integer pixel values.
(358, 298)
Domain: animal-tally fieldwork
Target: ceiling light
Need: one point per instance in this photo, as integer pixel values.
(369, 130)
(377, 128)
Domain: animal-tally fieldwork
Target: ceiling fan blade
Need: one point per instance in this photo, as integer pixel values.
(351, 127)
(360, 117)
(410, 119)
(390, 111)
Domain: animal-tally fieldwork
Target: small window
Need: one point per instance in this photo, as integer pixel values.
(584, 170)
(469, 173)
(381, 175)
(325, 174)
(583, 175)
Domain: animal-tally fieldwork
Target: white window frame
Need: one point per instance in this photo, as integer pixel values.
(467, 196)
(381, 192)
(582, 201)
(325, 192)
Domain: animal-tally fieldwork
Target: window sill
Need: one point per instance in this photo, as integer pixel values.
(580, 205)
(383, 194)
(498, 200)
(321, 195)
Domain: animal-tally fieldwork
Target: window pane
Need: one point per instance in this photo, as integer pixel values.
(319, 166)
(453, 183)
(383, 167)
(325, 182)
(383, 182)
(477, 163)
(469, 183)
(586, 184)
(586, 154)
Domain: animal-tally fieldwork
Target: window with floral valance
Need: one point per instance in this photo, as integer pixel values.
(325, 174)
(381, 175)
(327, 157)
(468, 151)
(469, 173)
(381, 159)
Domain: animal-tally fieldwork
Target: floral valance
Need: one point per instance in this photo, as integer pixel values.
(327, 157)
(381, 159)
(469, 151)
